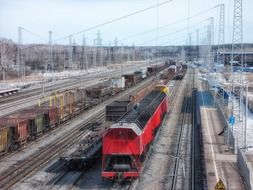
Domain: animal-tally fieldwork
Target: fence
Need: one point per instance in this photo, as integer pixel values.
(229, 137)
(245, 169)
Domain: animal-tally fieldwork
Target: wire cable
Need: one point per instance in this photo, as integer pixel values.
(175, 32)
(34, 34)
(116, 19)
(170, 24)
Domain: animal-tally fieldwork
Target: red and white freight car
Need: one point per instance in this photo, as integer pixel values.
(126, 143)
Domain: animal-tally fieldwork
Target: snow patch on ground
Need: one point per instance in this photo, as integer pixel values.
(39, 78)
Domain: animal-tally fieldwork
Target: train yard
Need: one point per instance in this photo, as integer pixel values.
(9, 179)
(68, 151)
(86, 137)
(30, 97)
(126, 95)
(76, 153)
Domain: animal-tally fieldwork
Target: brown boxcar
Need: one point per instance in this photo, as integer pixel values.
(18, 130)
(4, 139)
(130, 80)
(32, 120)
(52, 115)
(37, 118)
(99, 91)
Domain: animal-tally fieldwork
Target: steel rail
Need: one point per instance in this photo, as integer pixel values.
(185, 121)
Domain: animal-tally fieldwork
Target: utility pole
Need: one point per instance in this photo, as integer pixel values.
(116, 50)
(84, 55)
(157, 34)
(197, 43)
(122, 53)
(109, 54)
(212, 41)
(19, 58)
(209, 42)
(188, 30)
(64, 57)
(50, 51)
(94, 54)
(128, 54)
(133, 52)
(70, 52)
(189, 45)
(2, 60)
(197, 37)
(246, 116)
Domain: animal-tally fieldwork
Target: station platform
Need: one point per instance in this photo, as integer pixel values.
(220, 162)
(6, 92)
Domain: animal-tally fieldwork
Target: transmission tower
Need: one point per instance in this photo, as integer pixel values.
(236, 57)
(94, 54)
(221, 35)
(98, 41)
(237, 45)
(210, 41)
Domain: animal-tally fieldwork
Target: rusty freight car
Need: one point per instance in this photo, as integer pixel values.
(18, 131)
(4, 139)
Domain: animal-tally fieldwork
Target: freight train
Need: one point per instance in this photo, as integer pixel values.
(126, 143)
(26, 125)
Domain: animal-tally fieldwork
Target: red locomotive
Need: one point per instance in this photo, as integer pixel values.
(126, 143)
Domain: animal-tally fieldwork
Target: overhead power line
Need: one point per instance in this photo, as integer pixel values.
(116, 19)
(174, 32)
(170, 24)
(34, 34)
(182, 37)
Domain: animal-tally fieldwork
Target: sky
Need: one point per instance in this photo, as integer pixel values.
(65, 17)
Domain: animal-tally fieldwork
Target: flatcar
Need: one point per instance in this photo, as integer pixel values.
(126, 143)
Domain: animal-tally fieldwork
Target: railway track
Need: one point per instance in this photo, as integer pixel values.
(38, 160)
(30, 98)
(161, 170)
(46, 154)
(198, 178)
(172, 98)
(79, 176)
(178, 174)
